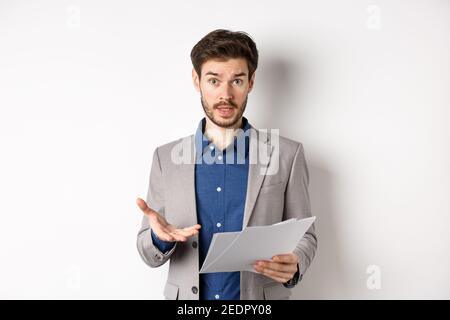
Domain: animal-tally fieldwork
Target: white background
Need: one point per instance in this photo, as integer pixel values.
(88, 89)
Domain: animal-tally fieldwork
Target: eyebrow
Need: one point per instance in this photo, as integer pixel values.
(217, 75)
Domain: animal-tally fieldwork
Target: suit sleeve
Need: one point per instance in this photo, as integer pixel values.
(154, 253)
(297, 205)
(163, 246)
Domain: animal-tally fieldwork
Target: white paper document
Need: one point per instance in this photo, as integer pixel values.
(238, 251)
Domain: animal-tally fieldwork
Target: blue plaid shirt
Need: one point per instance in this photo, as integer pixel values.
(220, 190)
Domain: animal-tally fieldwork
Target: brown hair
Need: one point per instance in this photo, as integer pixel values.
(223, 45)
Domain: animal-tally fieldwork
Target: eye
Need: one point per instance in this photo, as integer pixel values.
(213, 81)
(239, 81)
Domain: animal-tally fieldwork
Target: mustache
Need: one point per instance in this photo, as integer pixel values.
(229, 104)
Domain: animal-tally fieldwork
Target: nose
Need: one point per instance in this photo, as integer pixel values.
(227, 92)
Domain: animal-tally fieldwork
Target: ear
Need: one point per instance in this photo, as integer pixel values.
(251, 82)
(195, 80)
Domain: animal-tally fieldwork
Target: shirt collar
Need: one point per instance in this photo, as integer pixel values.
(202, 144)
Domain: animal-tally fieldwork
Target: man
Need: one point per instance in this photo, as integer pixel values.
(214, 182)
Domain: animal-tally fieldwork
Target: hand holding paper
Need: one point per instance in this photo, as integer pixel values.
(238, 251)
(281, 268)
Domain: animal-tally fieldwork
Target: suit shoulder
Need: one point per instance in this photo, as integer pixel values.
(288, 145)
(166, 149)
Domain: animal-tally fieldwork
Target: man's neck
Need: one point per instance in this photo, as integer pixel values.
(220, 136)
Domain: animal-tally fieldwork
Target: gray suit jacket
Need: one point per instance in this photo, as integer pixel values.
(277, 190)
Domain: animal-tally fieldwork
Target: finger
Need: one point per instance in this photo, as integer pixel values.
(143, 206)
(286, 258)
(277, 276)
(195, 227)
(185, 233)
(175, 233)
(169, 235)
(163, 235)
(178, 236)
(189, 231)
(276, 266)
(284, 277)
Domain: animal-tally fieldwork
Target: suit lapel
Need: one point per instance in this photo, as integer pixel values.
(186, 175)
(260, 152)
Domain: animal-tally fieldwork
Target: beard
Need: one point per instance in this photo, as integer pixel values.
(223, 123)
